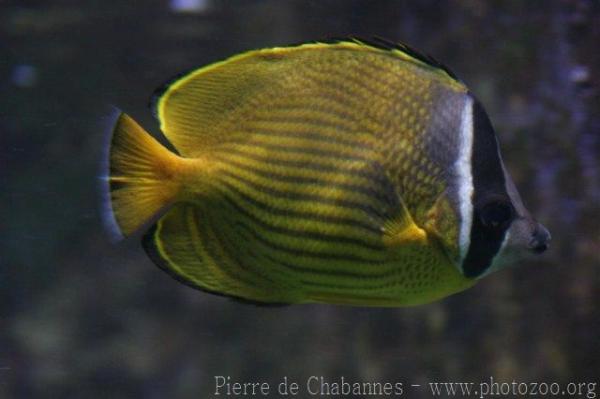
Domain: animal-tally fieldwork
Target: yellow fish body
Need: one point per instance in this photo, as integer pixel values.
(344, 173)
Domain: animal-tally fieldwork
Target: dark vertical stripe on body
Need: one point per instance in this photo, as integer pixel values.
(488, 179)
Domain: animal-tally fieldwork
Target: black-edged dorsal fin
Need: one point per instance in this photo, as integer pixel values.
(207, 106)
(388, 45)
(374, 41)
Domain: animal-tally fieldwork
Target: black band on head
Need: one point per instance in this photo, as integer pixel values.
(488, 185)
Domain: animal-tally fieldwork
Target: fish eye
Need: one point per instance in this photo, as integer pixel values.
(496, 214)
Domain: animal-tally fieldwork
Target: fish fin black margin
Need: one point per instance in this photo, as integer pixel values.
(388, 45)
(162, 89)
(149, 245)
(107, 214)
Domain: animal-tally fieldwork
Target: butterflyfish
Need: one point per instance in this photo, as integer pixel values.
(349, 172)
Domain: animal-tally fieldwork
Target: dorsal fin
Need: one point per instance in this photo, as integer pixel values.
(381, 43)
(210, 105)
(163, 88)
(386, 44)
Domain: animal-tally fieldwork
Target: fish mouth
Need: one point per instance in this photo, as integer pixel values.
(539, 239)
(537, 248)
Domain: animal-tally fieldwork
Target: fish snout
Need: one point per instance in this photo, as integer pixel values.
(539, 239)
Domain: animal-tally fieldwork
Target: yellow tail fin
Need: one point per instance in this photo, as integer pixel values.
(143, 177)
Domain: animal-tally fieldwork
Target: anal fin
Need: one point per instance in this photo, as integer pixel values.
(184, 244)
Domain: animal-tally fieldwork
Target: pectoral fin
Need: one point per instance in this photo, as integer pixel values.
(402, 230)
(443, 224)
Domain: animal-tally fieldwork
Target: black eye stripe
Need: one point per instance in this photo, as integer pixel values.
(488, 185)
(496, 214)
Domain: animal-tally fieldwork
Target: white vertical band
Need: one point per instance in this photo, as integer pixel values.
(497, 260)
(465, 177)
